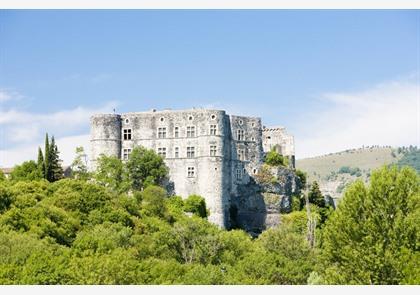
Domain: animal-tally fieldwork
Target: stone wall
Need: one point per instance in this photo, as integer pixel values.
(258, 205)
(228, 153)
(281, 141)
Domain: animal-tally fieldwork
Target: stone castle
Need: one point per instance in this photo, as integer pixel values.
(208, 152)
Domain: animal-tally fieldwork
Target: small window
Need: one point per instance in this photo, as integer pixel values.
(127, 121)
(190, 118)
(176, 152)
(253, 124)
(241, 155)
(238, 174)
(213, 129)
(213, 117)
(162, 119)
(190, 131)
(126, 154)
(127, 134)
(240, 122)
(162, 152)
(252, 138)
(240, 134)
(190, 152)
(162, 132)
(212, 150)
(176, 132)
(191, 172)
(254, 171)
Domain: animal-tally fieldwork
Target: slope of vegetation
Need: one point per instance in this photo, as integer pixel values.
(334, 172)
(120, 226)
(366, 159)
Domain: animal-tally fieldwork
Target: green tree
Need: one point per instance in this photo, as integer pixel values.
(111, 173)
(196, 205)
(2, 176)
(40, 162)
(153, 201)
(79, 166)
(372, 237)
(26, 171)
(6, 198)
(55, 162)
(315, 196)
(302, 176)
(47, 158)
(145, 168)
(273, 158)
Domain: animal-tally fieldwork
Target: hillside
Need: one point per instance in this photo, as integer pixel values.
(335, 171)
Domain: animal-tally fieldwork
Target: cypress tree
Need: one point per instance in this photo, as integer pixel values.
(315, 196)
(47, 159)
(55, 162)
(40, 164)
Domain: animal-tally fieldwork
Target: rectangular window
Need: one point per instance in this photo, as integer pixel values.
(162, 152)
(191, 172)
(162, 132)
(176, 152)
(176, 132)
(212, 150)
(241, 155)
(213, 129)
(126, 153)
(240, 134)
(190, 131)
(190, 152)
(238, 174)
(127, 134)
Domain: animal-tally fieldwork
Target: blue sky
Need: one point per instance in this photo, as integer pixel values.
(296, 68)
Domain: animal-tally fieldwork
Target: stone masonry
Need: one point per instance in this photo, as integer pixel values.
(208, 152)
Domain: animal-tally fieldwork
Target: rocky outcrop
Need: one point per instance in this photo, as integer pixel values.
(258, 204)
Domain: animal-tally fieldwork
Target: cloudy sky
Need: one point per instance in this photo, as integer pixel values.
(335, 79)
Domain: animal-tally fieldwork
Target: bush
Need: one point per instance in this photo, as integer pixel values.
(26, 171)
(373, 234)
(273, 158)
(196, 205)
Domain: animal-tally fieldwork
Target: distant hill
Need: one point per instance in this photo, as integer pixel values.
(337, 170)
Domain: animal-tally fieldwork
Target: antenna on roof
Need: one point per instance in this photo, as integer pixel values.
(114, 110)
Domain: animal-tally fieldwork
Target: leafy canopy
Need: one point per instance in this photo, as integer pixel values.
(372, 238)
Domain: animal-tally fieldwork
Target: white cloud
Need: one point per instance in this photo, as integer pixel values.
(21, 132)
(66, 145)
(386, 114)
(25, 127)
(7, 95)
(4, 96)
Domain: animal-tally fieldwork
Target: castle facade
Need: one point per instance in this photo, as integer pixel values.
(208, 152)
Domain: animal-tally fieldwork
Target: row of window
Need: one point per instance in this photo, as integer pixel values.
(190, 170)
(162, 132)
(162, 152)
(190, 152)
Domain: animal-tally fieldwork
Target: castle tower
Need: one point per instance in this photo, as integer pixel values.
(105, 136)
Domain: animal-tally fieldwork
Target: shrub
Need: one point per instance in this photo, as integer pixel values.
(196, 205)
(273, 158)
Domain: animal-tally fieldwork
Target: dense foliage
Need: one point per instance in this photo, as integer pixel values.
(76, 232)
(120, 226)
(273, 158)
(350, 170)
(411, 157)
(372, 238)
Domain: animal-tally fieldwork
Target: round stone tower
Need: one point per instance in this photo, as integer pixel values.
(105, 137)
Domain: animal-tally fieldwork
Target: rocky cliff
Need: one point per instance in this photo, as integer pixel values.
(259, 203)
